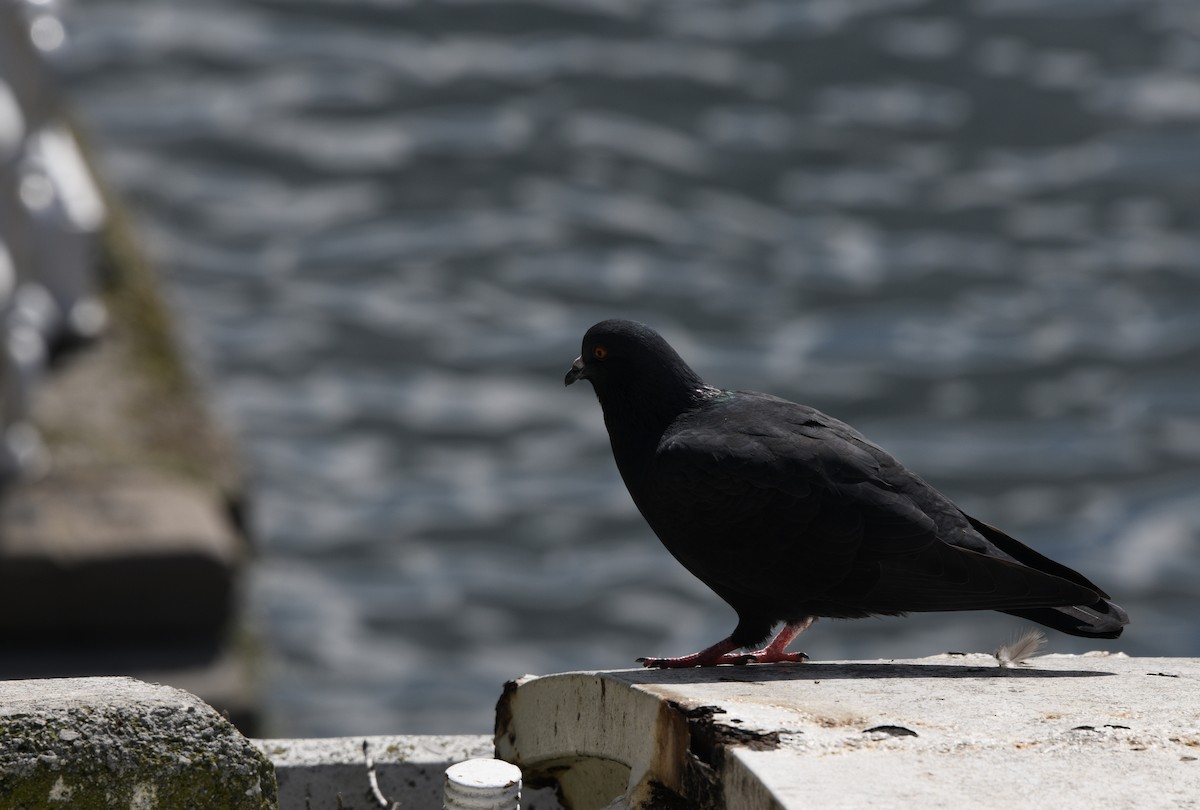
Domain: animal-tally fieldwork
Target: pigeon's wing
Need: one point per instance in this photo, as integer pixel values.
(1024, 554)
(768, 495)
(778, 501)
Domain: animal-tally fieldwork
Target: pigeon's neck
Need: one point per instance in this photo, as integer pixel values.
(653, 415)
(638, 417)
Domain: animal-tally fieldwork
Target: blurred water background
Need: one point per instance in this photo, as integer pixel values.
(967, 228)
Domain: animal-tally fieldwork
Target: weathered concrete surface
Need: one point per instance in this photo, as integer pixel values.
(89, 743)
(332, 772)
(946, 731)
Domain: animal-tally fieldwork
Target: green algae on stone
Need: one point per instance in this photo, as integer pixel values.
(127, 745)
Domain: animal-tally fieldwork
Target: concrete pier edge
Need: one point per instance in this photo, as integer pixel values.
(940, 732)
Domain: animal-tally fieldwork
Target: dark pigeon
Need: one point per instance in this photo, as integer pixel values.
(789, 514)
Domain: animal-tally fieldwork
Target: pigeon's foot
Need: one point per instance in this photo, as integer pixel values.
(776, 652)
(723, 652)
(717, 654)
(696, 660)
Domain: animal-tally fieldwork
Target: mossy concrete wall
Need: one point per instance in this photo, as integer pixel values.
(122, 539)
(101, 743)
(132, 517)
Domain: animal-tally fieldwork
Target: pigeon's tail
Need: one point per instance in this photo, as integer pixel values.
(1101, 619)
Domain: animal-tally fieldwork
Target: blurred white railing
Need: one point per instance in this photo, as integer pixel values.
(51, 216)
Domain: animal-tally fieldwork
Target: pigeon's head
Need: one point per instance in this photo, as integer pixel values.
(626, 359)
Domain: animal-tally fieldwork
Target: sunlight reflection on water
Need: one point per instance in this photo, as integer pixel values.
(971, 233)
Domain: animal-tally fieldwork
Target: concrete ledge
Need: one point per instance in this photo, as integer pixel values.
(88, 743)
(947, 731)
(332, 772)
(148, 556)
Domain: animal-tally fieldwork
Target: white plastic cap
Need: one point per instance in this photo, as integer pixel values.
(483, 784)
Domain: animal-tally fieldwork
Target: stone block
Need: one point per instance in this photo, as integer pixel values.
(123, 557)
(92, 743)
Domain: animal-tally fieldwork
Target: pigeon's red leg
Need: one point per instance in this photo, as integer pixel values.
(776, 651)
(719, 653)
(723, 651)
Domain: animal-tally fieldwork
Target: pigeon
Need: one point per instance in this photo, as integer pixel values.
(790, 515)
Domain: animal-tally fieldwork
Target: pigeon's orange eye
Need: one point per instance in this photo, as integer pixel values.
(599, 352)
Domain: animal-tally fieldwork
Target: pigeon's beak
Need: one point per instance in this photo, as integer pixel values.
(575, 373)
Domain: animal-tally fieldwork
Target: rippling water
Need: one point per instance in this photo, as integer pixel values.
(970, 229)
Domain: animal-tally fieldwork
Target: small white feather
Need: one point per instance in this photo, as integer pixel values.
(1018, 651)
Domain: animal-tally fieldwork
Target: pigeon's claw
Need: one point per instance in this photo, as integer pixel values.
(776, 651)
(723, 651)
